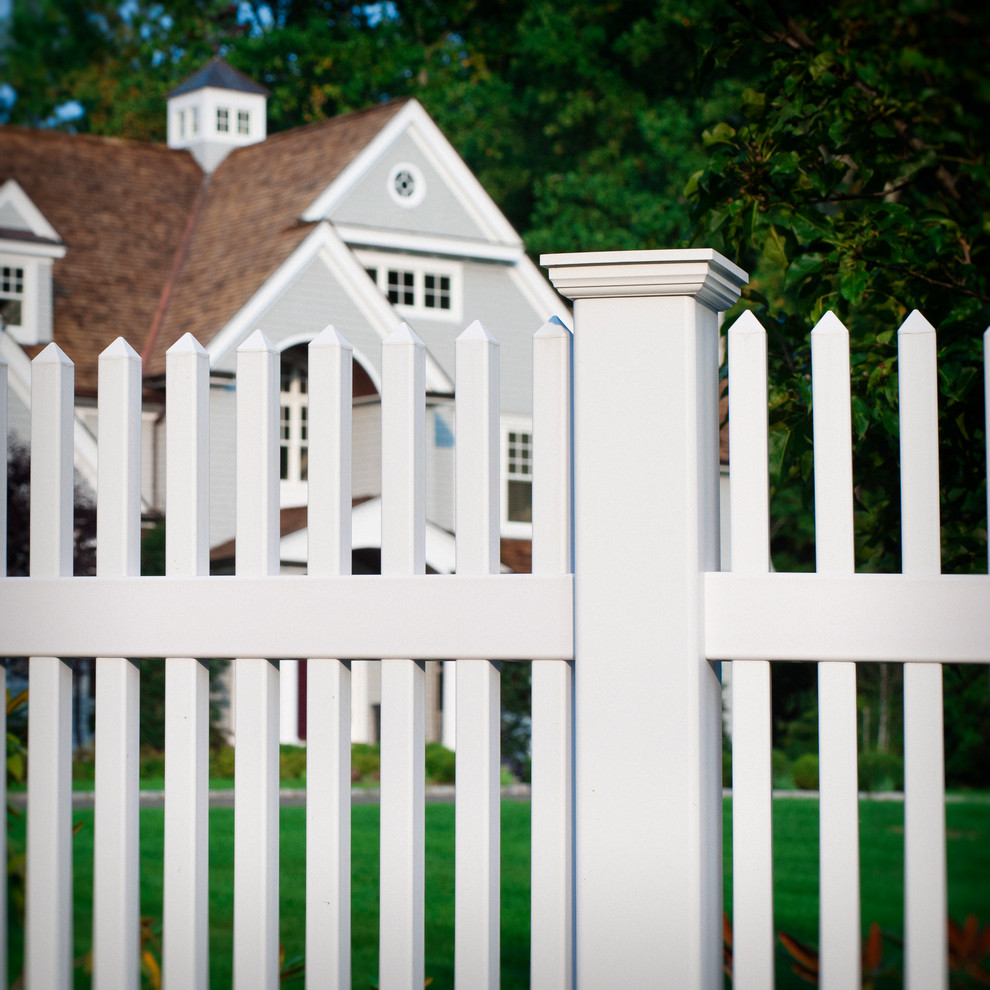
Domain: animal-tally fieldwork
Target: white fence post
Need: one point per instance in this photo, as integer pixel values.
(256, 680)
(185, 911)
(116, 873)
(48, 907)
(648, 704)
(476, 897)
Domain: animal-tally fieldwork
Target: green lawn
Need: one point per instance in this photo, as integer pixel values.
(795, 864)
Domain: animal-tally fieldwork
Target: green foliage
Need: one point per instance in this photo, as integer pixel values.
(880, 771)
(222, 763)
(366, 762)
(441, 764)
(292, 762)
(804, 772)
(853, 177)
(780, 768)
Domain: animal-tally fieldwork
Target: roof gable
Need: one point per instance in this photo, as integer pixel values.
(21, 220)
(463, 208)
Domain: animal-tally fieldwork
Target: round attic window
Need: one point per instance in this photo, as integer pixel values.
(406, 184)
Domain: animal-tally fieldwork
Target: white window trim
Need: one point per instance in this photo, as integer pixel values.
(27, 331)
(511, 424)
(293, 489)
(420, 267)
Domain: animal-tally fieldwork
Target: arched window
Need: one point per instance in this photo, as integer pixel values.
(294, 425)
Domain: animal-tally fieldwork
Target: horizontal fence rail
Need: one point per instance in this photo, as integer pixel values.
(513, 616)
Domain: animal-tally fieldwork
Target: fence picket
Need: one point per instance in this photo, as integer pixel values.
(552, 842)
(403, 725)
(185, 910)
(752, 780)
(328, 723)
(256, 706)
(116, 872)
(839, 802)
(925, 906)
(48, 908)
(477, 839)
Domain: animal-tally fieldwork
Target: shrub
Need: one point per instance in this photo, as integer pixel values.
(366, 762)
(152, 762)
(292, 763)
(726, 767)
(805, 772)
(222, 763)
(880, 772)
(779, 767)
(440, 764)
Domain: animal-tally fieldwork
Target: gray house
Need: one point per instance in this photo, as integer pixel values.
(362, 221)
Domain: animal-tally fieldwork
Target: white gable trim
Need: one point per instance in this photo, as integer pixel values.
(19, 381)
(324, 243)
(13, 195)
(539, 292)
(453, 247)
(412, 118)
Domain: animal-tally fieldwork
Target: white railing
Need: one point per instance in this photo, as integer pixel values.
(626, 794)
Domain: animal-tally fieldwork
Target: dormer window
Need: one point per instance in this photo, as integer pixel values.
(424, 287)
(223, 120)
(11, 295)
(29, 246)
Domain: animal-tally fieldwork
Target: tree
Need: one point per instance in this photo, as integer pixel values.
(854, 178)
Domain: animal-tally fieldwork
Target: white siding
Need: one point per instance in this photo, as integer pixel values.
(366, 458)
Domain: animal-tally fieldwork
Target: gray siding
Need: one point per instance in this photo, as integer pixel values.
(223, 421)
(366, 450)
(492, 297)
(10, 218)
(369, 204)
(314, 300)
(18, 420)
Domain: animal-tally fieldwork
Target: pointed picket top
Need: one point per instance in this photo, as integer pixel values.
(53, 354)
(477, 332)
(747, 324)
(119, 349)
(187, 344)
(829, 324)
(554, 327)
(331, 337)
(915, 323)
(257, 342)
(403, 334)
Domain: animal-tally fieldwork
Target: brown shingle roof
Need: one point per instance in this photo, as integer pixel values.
(155, 248)
(249, 223)
(120, 207)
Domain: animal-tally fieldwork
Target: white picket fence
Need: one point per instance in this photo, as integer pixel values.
(626, 793)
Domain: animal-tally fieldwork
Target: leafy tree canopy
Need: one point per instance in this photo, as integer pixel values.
(853, 177)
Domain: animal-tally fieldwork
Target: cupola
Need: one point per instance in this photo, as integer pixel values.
(216, 110)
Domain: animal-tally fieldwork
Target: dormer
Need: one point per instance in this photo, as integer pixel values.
(216, 110)
(29, 245)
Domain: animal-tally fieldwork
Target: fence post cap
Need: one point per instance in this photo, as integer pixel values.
(699, 272)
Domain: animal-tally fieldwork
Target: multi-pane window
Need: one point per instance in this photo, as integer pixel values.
(243, 122)
(11, 295)
(426, 287)
(223, 120)
(401, 287)
(519, 469)
(436, 291)
(294, 420)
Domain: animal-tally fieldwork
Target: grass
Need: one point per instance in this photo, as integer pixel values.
(795, 865)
